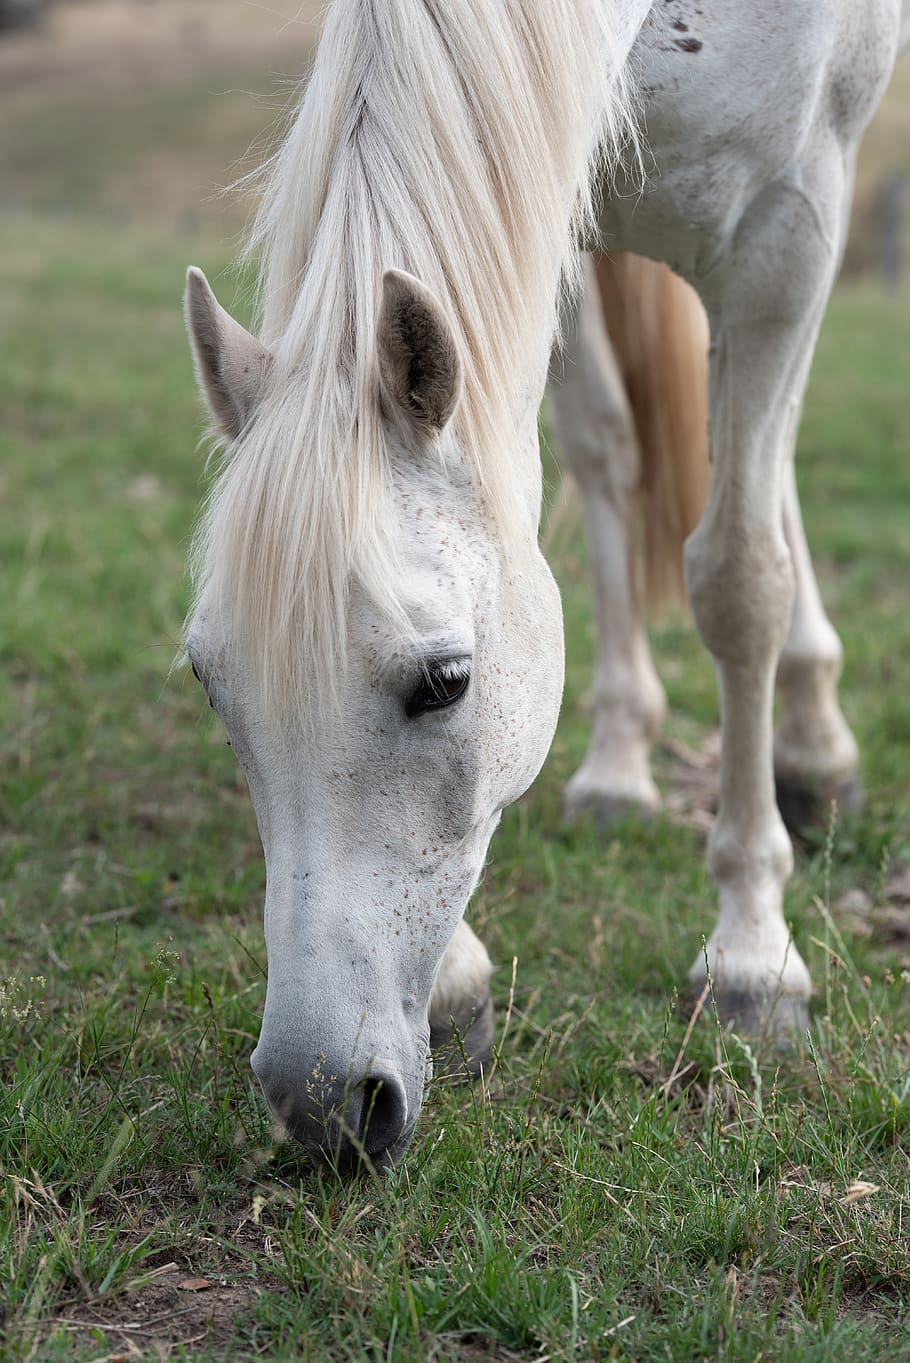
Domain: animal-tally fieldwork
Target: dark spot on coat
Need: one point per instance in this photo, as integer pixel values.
(680, 25)
(689, 44)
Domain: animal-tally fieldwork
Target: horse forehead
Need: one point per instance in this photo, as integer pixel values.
(439, 601)
(438, 499)
(446, 581)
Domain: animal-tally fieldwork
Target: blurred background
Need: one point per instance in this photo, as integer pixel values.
(137, 113)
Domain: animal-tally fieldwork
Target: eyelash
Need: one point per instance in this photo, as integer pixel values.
(441, 685)
(202, 684)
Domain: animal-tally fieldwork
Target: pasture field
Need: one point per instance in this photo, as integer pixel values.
(624, 1185)
(619, 1188)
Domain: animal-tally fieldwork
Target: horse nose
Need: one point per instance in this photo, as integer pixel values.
(383, 1115)
(370, 1119)
(339, 1123)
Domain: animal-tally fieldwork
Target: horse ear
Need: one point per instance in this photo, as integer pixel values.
(230, 363)
(419, 365)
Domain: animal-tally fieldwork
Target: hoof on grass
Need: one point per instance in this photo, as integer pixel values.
(806, 804)
(779, 1017)
(605, 808)
(460, 1053)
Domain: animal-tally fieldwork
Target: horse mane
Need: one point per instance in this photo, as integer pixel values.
(457, 141)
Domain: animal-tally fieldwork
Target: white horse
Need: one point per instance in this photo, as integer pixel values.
(374, 621)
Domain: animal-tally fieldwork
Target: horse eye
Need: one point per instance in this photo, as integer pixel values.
(439, 686)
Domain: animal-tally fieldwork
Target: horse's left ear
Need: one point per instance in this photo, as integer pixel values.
(230, 363)
(419, 365)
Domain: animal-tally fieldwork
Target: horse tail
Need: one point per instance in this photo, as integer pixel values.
(659, 332)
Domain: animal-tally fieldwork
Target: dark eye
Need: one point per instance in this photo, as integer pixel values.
(440, 685)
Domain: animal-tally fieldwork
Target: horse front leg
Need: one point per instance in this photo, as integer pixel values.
(816, 760)
(461, 1008)
(765, 306)
(595, 434)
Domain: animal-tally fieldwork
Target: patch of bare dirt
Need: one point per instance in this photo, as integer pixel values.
(177, 1305)
(683, 1077)
(884, 918)
(694, 781)
(159, 1319)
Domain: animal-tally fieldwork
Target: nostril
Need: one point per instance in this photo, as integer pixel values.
(383, 1114)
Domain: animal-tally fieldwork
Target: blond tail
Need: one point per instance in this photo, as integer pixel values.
(659, 332)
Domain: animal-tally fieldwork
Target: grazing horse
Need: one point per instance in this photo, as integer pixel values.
(373, 618)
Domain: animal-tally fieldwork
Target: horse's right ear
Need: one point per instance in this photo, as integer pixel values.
(419, 367)
(230, 363)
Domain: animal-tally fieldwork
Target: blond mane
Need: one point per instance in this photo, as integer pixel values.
(457, 141)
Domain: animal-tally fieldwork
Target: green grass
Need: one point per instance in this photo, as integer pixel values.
(610, 1194)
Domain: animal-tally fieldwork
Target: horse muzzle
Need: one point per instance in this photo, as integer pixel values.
(344, 1115)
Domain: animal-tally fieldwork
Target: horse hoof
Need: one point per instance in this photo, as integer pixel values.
(806, 804)
(606, 809)
(463, 1050)
(777, 1017)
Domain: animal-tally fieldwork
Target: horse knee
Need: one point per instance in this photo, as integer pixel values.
(741, 589)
